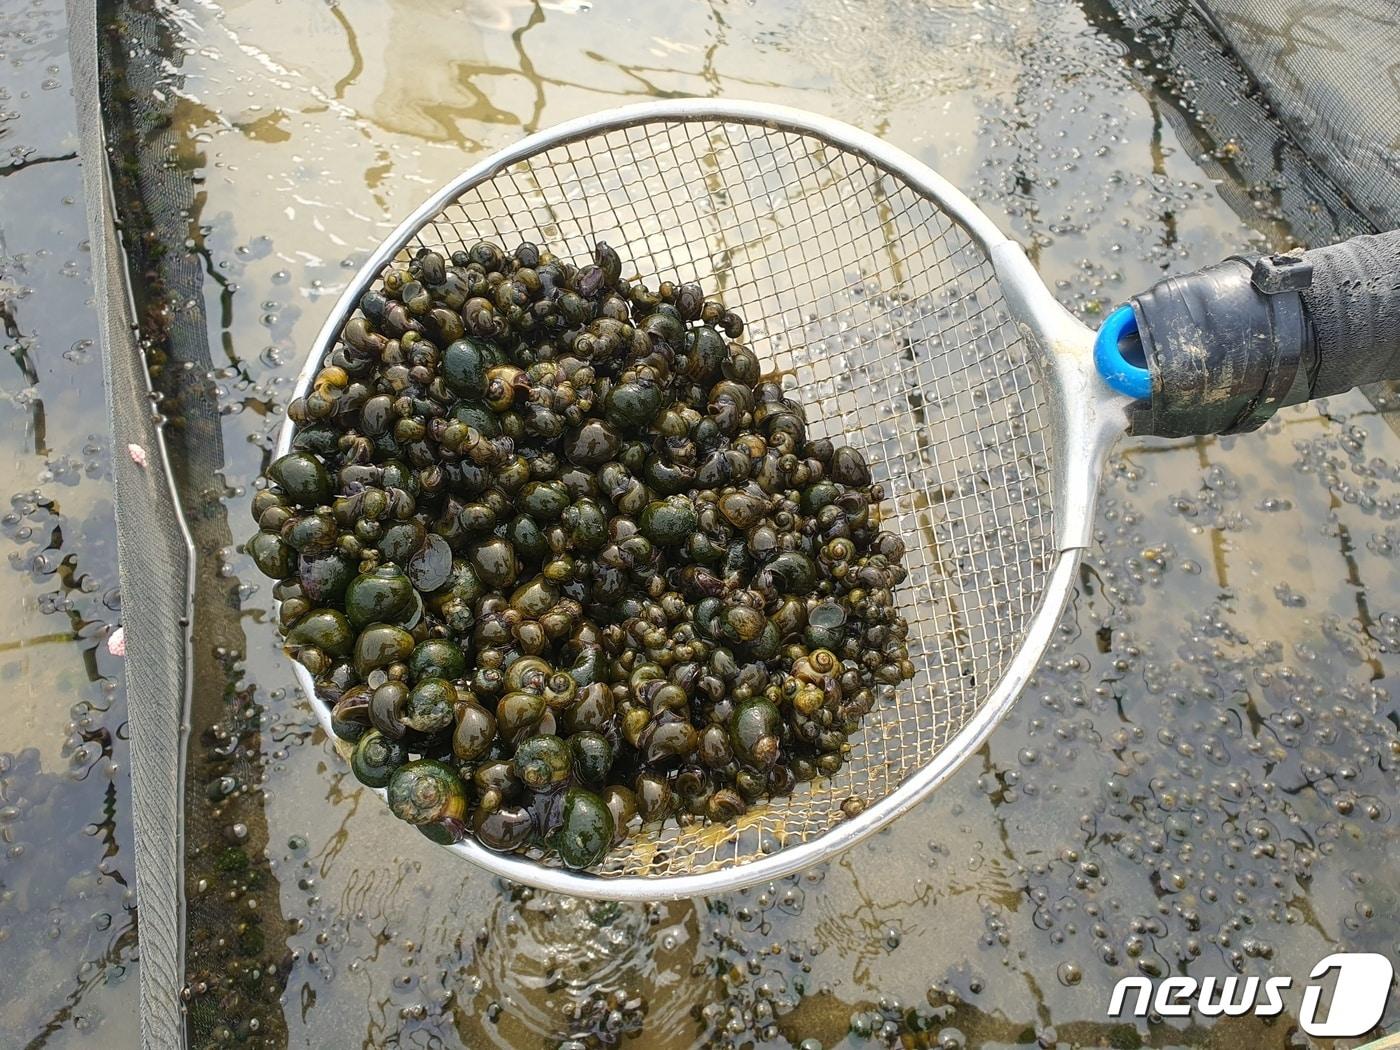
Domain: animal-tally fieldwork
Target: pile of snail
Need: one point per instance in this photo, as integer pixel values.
(565, 564)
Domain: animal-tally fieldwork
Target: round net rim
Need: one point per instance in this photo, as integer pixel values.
(1037, 629)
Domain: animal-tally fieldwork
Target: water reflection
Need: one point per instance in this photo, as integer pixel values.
(555, 968)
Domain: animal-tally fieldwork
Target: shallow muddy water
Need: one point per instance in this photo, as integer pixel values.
(1200, 779)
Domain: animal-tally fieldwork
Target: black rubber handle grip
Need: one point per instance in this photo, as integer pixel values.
(1230, 344)
(1353, 304)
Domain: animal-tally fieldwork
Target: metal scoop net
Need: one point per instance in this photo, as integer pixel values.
(869, 290)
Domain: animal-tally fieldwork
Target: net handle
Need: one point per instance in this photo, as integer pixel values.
(1220, 350)
(1087, 414)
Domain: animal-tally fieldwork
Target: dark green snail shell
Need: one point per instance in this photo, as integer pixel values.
(384, 595)
(632, 405)
(402, 540)
(321, 439)
(526, 538)
(427, 791)
(272, 555)
(430, 706)
(302, 478)
(794, 572)
(375, 758)
(464, 367)
(544, 501)
(379, 645)
(325, 629)
(543, 762)
(477, 415)
(592, 443)
(347, 730)
(518, 714)
(310, 533)
(430, 566)
(586, 832)
(848, 467)
(325, 575)
(504, 829)
(706, 349)
(495, 562)
(350, 715)
(754, 731)
(592, 755)
(669, 522)
(475, 732)
(437, 658)
(444, 833)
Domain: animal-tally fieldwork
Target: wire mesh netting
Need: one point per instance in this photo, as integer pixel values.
(1332, 72)
(883, 317)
